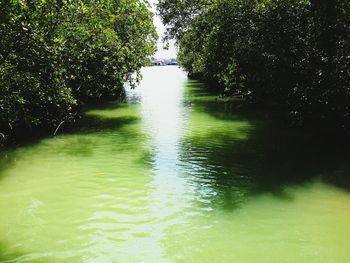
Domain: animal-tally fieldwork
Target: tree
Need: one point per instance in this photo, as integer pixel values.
(57, 55)
(291, 56)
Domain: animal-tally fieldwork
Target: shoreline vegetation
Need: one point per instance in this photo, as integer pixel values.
(57, 56)
(290, 57)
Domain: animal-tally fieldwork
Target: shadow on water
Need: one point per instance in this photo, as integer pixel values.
(92, 123)
(81, 139)
(8, 257)
(17, 255)
(270, 158)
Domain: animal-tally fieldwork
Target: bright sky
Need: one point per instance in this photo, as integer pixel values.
(162, 53)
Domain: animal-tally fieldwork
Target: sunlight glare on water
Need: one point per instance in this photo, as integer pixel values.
(173, 175)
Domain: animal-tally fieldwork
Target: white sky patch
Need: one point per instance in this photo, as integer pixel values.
(162, 53)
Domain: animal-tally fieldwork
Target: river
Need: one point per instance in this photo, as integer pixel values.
(175, 175)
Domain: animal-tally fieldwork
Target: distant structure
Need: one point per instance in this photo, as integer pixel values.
(164, 62)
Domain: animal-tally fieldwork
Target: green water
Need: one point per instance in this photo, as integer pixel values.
(174, 176)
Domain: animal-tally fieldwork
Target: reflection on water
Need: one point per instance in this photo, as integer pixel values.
(175, 175)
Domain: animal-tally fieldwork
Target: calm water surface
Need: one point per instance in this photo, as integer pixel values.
(173, 176)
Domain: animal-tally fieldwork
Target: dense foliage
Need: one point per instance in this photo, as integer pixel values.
(56, 55)
(292, 55)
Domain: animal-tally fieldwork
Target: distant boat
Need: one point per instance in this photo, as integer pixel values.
(172, 62)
